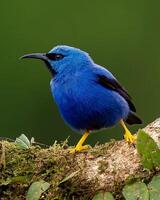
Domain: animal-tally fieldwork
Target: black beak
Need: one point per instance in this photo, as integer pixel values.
(41, 56)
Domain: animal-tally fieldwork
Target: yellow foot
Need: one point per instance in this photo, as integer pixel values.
(129, 137)
(79, 148)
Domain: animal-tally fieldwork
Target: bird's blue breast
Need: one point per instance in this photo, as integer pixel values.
(86, 105)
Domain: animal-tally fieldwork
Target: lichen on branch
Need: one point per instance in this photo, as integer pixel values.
(106, 167)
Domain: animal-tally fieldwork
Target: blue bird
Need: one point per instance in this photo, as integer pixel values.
(88, 96)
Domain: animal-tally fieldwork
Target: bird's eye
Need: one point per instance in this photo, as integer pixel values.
(54, 56)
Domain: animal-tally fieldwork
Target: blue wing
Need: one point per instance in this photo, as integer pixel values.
(107, 80)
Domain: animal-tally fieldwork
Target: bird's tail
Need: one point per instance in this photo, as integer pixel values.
(133, 119)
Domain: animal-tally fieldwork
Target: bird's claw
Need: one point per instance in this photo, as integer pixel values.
(79, 149)
(129, 137)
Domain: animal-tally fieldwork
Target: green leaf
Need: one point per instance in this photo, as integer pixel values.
(154, 188)
(136, 191)
(11, 180)
(103, 196)
(22, 142)
(69, 177)
(36, 189)
(148, 150)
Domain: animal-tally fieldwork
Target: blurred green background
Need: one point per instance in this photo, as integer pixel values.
(124, 36)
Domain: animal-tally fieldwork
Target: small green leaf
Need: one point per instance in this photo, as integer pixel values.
(70, 176)
(36, 189)
(22, 142)
(11, 180)
(103, 196)
(136, 191)
(154, 188)
(148, 150)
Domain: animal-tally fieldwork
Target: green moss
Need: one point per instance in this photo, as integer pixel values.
(24, 166)
(102, 149)
(102, 166)
(21, 167)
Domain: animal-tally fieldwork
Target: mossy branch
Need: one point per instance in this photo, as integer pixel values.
(105, 167)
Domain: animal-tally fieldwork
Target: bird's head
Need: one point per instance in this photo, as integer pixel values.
(63, 59)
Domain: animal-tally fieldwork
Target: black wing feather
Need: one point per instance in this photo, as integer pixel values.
(113, 84)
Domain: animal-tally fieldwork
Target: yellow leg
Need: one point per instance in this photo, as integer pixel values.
(79, 146)
(128, 136)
